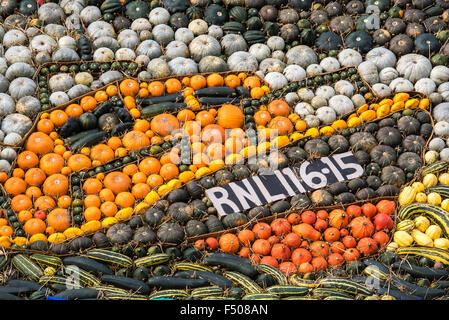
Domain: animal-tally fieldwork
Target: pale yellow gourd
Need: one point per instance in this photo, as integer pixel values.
(444, 178)
(392, 247)
(441, 243)
(405, 225)
(418, 186)
(430, 180)
(402, 238)
(421, 197)
(434, 231)
(421, 223)
(445, 204)
(406, 196)
(434, 198)
(421, 238)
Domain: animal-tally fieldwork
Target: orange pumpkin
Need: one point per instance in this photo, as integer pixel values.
(338, 218)
(292, 240)
(282, 125)
(300, 256)
(59, 219)
(164, 124)
(34, 226)
(306, 231)
(261, 246)
(262, 230)
(229, 243)
(319, 249)
(262, 117)
(51, 163)
(129, 87)
(117, 182)
(386, 207)
(280, 226)
(269, 261)
(246, 237)
(135, 140)
(56, 185)
(367, 246)
(230, 116)
(39, 143)
(213, 133)
(279, 107)
(361, 227)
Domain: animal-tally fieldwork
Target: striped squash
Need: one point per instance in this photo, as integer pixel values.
(110, 257)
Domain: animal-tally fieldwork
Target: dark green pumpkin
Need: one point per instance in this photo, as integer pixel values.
(216, 14)
(238, 13)
(213, 224)
(111, 6)
(27, 7)
(108, 121)
(137, 9)
(234, 220)
(195, 228)
(7, 7)
(194, 13)
(427, 43)
(174, 6)
(88, 121)
(359, 40)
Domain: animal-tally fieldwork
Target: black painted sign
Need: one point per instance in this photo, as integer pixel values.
(259, 190)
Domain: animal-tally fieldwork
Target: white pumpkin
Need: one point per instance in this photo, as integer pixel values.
(294, 72)
(215, 31)
(306, 94)
(318, 102)
(14, 37)
(50, 12)
(358, 100)
(444, 154)
(7, 105)
(60, 82)
(260, 51)
(21, 87)
(425, 86)
(401, 85)
(3, 65)
(106, 42)
(312, 121)
(278, 54)
(158, 68)
(128, 38)
(90, 14)
(344, 87)
(4, 84)
(159, 15)
(271, 65)
(99, 29)
(18, 54)
(19, 69)
(313, 70)
(42, 57)
(59, 98)
(205, 45)
(67, 42)
(436, 144)
(381, 57)
(103, 55)
(387, 75)
(441, 112)
(140, 24)
(2, 136)
(163, 34)
(78, 90)
(276, 80)
(301, 55)
(368, 71)
(441, 129)
(198, 27)
(435, 98)
(260, 74)
(443, 89)
(5, 166)
(29, 106)
(330, 64)
(149, 48)
(182, 66)
(177, 49)
(125, 54)
(414, 67)
(72, 6)
(327, 115)
(242, 60)
(185, 35)
(349, 58)
(9, 154)
(110, 76)
(303, 109)
(291, 98)
(16, 123)
(325, 91)
(381, 90)
(439, 74)
(212, 64)
(341, 104)
(65, 55)
(12, 139)
(231, 43)
(276, 43)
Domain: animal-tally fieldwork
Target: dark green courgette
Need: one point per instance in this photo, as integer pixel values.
(176, 283)
(72, 139)
(24, 283)
(426, 293)
(175, 97)
(76, 294)
(123, 114)
(421, 272)
(382, 268)
(441, 284)
(8, 296)
(214, 101)
(231, 262)
(213, 278)
(121, 128)
(159, 108)
(215, 92)
(70, 127)
(126, 283)
(87, 264)
(89, 140)
(103, 108)
(397, 294)
(16, 290)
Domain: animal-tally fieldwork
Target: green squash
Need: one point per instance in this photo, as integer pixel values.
(27, 7)
(137, 9)
(216, 14)
(88, 121)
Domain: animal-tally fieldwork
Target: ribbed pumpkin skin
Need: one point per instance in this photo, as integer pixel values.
(230, 117)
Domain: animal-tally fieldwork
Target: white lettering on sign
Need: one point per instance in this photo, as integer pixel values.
(259, 190)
